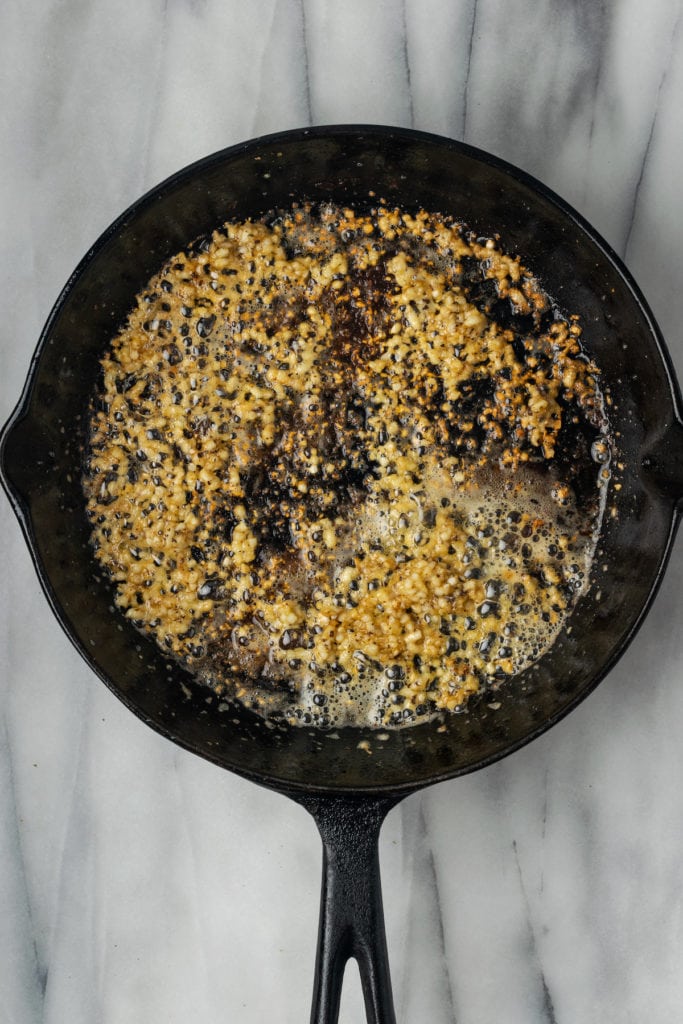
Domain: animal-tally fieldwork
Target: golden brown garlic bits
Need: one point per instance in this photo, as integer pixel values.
(340, 465)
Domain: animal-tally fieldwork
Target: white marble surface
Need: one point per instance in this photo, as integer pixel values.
(138, 883)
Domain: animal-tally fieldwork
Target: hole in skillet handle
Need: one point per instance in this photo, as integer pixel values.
(351, 911)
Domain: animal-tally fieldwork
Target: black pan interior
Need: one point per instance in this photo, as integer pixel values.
(42, 449)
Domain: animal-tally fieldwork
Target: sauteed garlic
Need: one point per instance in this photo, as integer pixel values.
(347, 467)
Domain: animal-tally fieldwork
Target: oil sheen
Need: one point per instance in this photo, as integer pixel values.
(348, 467)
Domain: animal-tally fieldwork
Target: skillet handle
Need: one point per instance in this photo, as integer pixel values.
(351, 913)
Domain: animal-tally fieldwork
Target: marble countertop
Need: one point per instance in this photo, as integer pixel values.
(139, 883)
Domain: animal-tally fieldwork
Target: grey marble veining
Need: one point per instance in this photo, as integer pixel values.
(139, 883)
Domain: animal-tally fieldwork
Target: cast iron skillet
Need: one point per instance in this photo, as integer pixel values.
(346, 790)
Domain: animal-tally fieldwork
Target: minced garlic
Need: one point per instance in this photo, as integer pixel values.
(338, 464)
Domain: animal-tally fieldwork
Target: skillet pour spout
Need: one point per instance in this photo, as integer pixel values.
(347, 791)
(663, 463)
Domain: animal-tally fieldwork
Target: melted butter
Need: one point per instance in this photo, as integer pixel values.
(326, 478)
(512, 565)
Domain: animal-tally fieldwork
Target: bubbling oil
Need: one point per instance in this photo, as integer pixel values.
(524, 558)
(348, 468)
